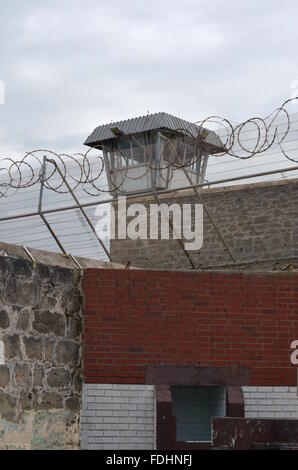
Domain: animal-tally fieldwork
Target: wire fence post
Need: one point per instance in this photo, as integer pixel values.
(40, 202)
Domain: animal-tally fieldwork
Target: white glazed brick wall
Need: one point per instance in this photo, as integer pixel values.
(118, 416)
(270, 402)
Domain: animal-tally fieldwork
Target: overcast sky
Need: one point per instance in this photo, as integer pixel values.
(70, 65)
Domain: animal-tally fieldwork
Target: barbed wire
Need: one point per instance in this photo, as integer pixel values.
(266, 129)
(186, 150)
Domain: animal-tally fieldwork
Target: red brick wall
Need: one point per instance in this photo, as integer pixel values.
(137, 318)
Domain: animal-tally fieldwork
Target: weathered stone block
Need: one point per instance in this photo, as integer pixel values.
(61, 276)
(38, 375)
(49, 349)
(47, 322)
(7, 406)
(50, 302)
(4, 264)
(43, 272)
(23, 320)
(33, 347)
(67, 352)
(4, 376)
(77, 381)
(58, 377)
(60, 430)
(75, 328)
(25, 400)
(20, 292)
(12, 346)
(4, 319)
(23, 374)
(49, 298)
(21, 267)
(49, 400)
(2, 289)
(72, 403)
(71, 301)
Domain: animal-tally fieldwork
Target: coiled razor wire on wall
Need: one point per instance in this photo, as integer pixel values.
(86, 170)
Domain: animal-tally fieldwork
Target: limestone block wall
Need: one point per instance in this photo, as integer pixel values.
(259, 223)
(40, 355)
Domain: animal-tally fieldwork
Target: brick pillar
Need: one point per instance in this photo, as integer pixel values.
(165, 421)
(235, 402)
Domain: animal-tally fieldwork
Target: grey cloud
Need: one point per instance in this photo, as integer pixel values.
(70, 65)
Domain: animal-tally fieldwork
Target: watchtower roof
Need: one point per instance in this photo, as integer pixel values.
(158, 121)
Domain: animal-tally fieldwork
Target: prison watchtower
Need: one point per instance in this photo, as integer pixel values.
(153, 152)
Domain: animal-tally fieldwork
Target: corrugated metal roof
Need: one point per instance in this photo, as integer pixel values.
(148, 123)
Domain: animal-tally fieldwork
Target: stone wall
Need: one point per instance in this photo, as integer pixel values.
(259, 223)
(40, 355)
